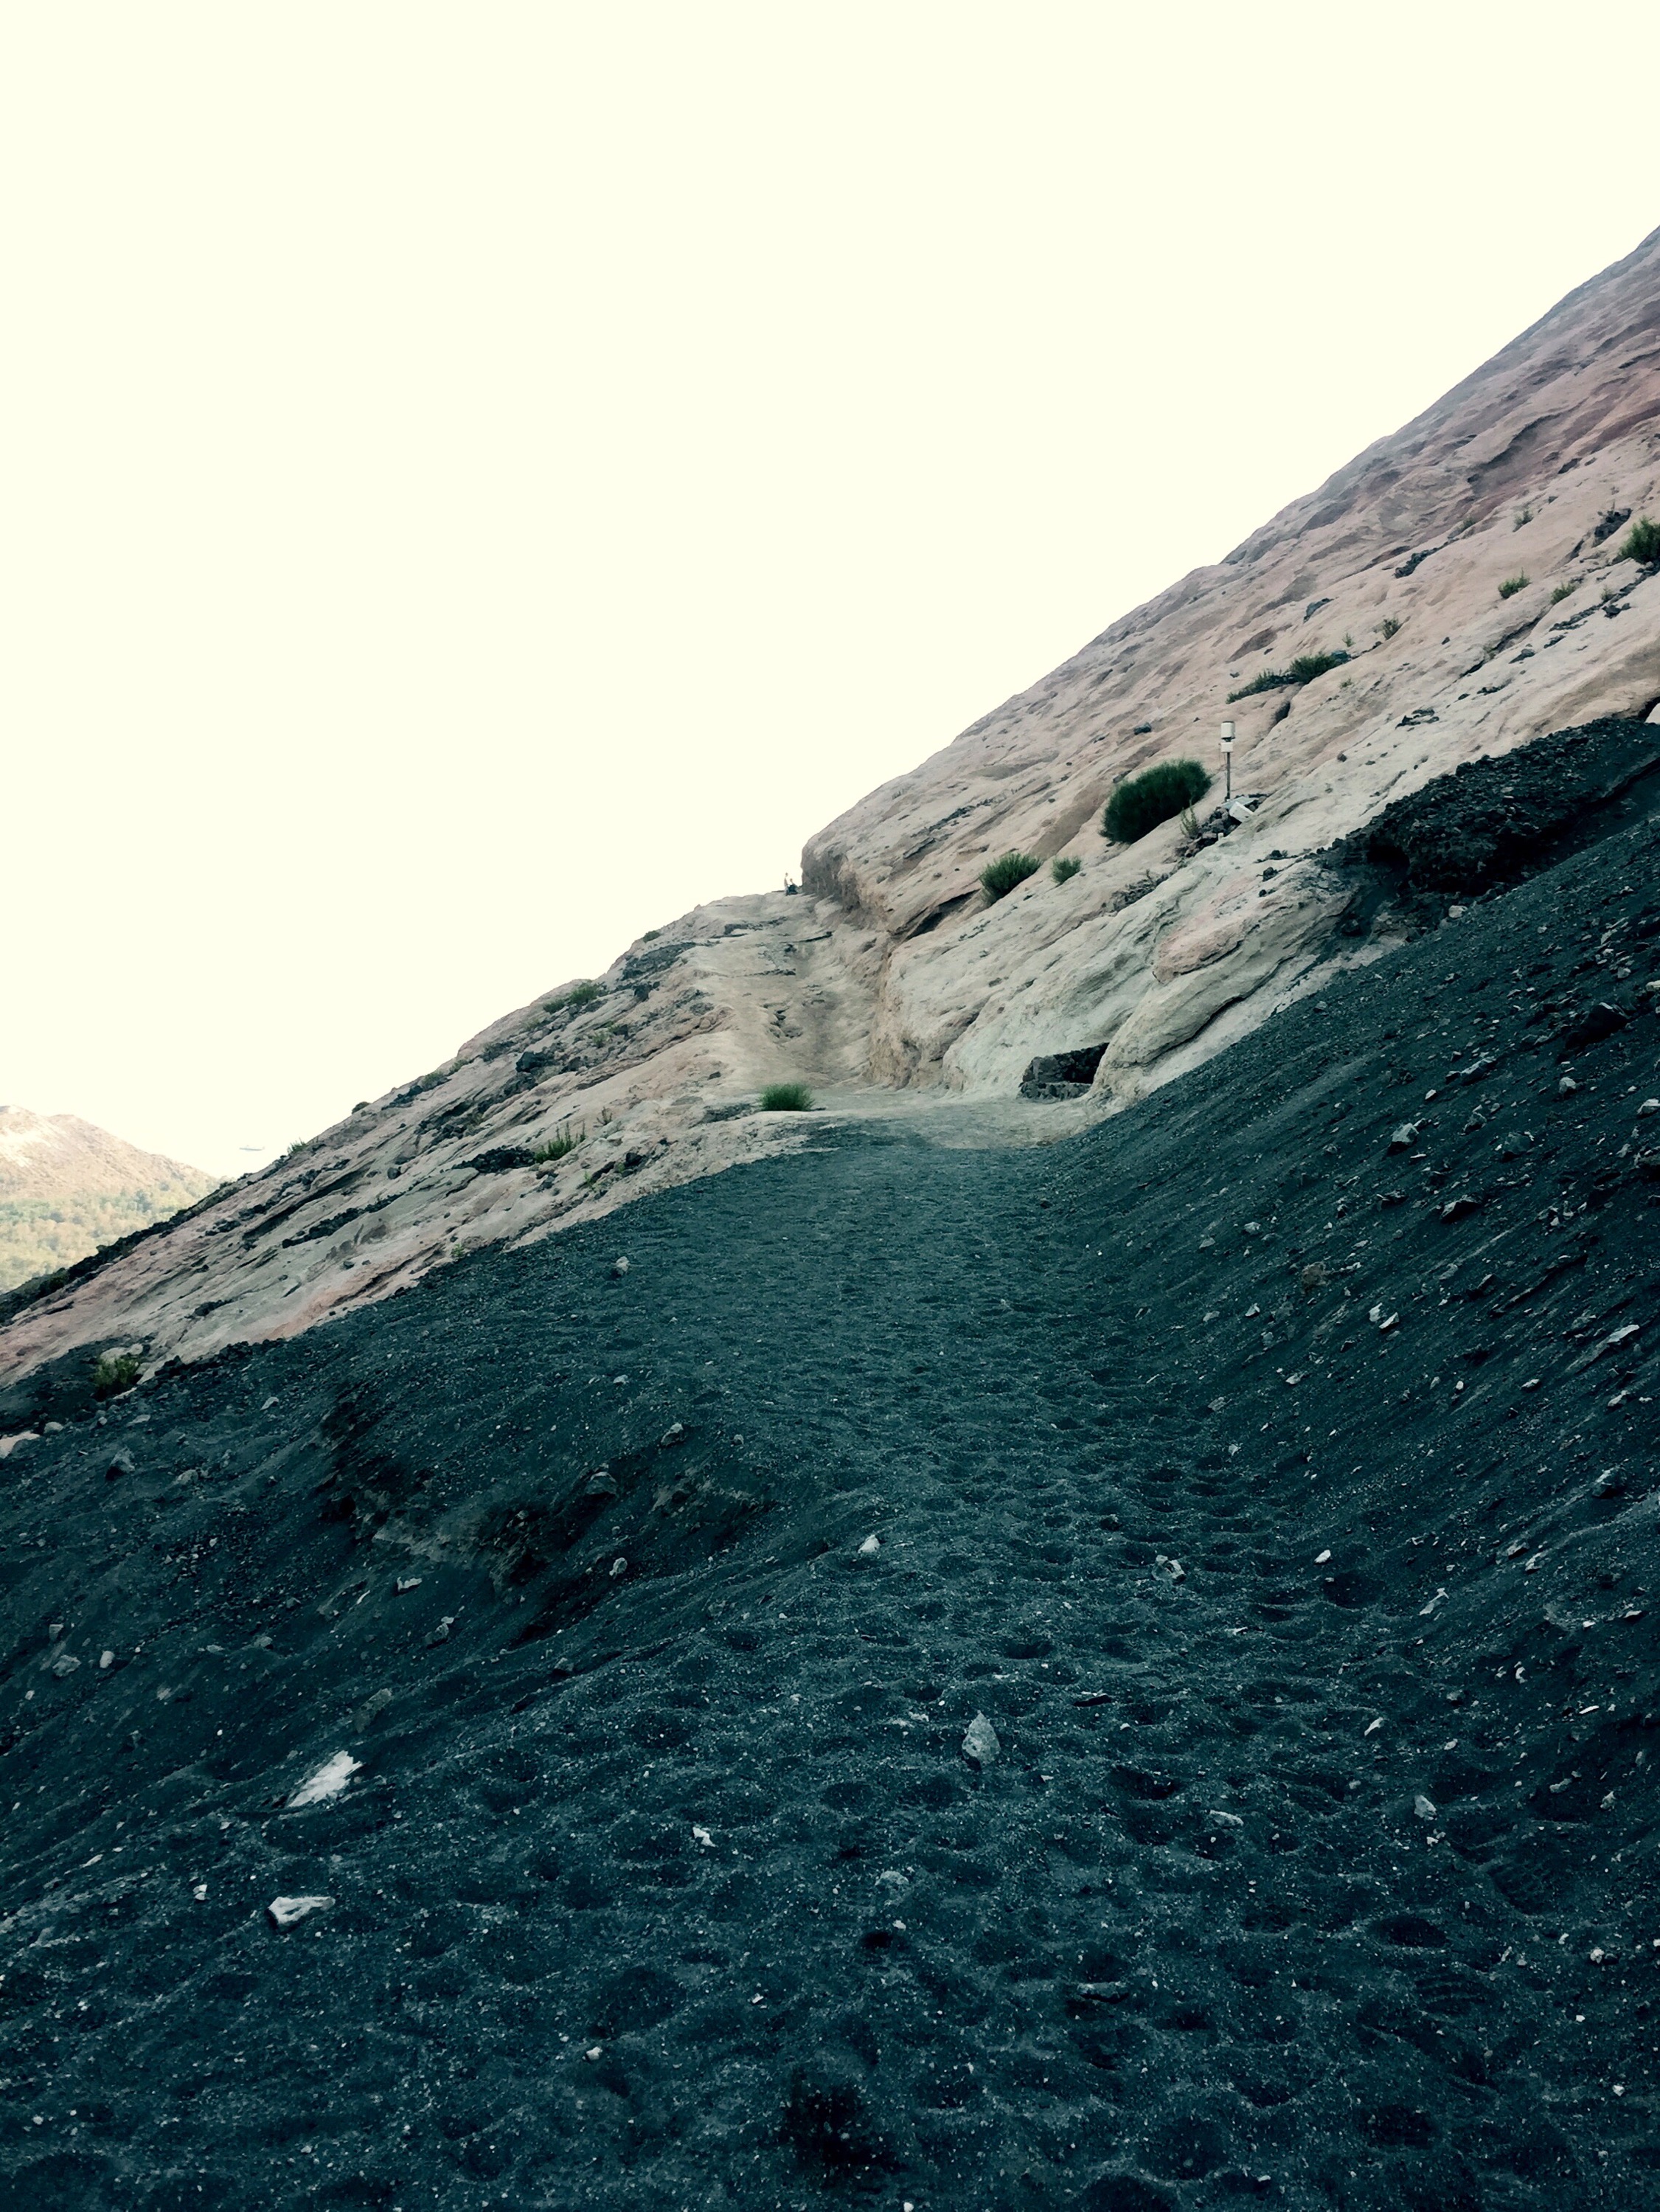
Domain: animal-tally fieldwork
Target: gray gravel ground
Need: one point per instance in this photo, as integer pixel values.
(1288, 1520)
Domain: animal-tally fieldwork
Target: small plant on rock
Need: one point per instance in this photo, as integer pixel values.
(998, 878)
(1141, 802)
(557, 1147)
(1642, 544)
(1063, 871)
(1511, 585)
(1564, 592)
(116, 1372)
(1387, 628)
(1303, 669)
(786, 1098)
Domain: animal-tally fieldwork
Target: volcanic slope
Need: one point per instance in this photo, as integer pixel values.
(1269, 1467)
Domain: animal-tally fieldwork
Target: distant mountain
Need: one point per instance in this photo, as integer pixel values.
(67, 1187)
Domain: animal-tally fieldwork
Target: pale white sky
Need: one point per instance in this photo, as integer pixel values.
(477, 479)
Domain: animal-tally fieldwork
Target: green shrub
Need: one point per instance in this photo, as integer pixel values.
(1387, 628)
(115, 1372)
(585, 994)
(1303, 669)
(556, 1147)
(786, 1098)
(999, 878)
(1141, 802)
(1511, 585)
(1063, 871)
(1642, 543)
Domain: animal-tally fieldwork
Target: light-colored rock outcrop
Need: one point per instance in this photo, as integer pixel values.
(888, 974)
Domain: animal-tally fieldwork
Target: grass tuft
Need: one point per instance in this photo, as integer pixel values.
(1063, 871)
(1564, 592)
(786, 1098)
(1000, 877)
(1303, 669)
(1141, 802)
(1642, 544)
(1388, 627)
(557, 1147)
(1511, 585)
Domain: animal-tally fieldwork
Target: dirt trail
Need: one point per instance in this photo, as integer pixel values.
(1269, 1467)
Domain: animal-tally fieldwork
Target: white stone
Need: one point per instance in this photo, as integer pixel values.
(285, 1911)
(981, 1742)
(330, 1779)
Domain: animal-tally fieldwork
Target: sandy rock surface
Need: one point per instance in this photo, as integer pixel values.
(889, 974)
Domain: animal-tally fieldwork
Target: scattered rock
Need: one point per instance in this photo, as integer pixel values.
(1423, 1806)
(371, 1707)
(869, 1548)
(1602, 1021)
(288, 1911)
(330, 1779)
(601, 1484)
(980, 1742)
(121, 1462)
(1404, 1138)
(619, 1266)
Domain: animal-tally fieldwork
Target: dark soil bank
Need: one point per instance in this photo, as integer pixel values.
(1272, 1469)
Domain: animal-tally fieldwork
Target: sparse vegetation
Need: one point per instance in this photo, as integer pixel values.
(557, 1146)
(116, 1372)
(1063, 871)
(1642, 544)
(1141, 802)
(584, 995)
(786, 1098)
(1190, 824)
(1564, 592)
(998, 878)
(1522, 519)
(1303, 669)
(1388, 627)
(1511, 585)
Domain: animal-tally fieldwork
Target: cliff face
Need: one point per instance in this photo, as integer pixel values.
(67, 1187)
(889, 975)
